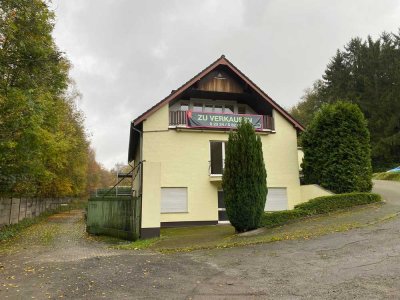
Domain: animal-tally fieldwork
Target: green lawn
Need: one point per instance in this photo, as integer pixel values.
(223, 236)
(316, 217)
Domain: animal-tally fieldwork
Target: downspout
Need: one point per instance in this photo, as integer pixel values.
(140, 158)
(140, 188)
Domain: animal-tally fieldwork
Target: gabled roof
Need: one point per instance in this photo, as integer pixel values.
(220, 61)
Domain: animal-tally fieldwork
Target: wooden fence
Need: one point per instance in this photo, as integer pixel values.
(114, 216)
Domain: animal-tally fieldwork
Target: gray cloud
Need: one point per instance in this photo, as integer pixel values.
(128, 55)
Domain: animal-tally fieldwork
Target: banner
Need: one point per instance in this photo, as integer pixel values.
(215, 120)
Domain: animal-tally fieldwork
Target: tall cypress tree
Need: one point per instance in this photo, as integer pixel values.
(245, 179)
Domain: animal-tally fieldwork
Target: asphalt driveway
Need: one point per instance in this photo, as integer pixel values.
(56, 259)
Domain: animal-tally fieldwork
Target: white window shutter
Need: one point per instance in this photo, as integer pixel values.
(276, 199)
(174, 200)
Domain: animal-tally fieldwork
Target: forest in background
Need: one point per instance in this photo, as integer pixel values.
(367, 73)
(45, 150)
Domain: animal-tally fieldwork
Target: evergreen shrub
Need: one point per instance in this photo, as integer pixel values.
(244, 179)
(336, 148)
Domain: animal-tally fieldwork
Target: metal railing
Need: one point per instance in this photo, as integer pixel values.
(177, 118)
(116, 191)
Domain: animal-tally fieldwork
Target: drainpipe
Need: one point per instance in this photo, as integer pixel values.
(140, 188)
(140, 158)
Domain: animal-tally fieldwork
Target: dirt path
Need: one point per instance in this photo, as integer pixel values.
(34, 263)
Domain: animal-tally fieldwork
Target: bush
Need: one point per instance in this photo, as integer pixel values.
(328, 204)
(278, 218)
(336, 149)
(316, 206)
(244, 180)
(387, 176)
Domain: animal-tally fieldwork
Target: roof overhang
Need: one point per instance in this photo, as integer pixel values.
(134, 137)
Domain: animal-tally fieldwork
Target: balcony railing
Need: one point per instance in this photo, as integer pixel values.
(179, 118)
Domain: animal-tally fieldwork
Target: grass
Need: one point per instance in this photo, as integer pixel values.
(319, 216)
(387, 176)
(12, 230)
(137, 245)
(228, 238)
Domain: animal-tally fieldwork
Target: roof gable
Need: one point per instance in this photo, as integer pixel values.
(220, 61)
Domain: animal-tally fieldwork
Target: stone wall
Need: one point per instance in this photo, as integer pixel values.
(13, 210)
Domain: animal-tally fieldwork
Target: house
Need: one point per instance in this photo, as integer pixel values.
(181, 142)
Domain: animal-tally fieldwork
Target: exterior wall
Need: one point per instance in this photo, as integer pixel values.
(281, 161)
(183, 156)
(311, 191)
(151, 195)
(175, 158)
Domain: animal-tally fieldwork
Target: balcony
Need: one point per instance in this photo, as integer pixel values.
(202, 120)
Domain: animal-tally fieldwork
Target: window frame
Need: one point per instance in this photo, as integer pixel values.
(223, 157)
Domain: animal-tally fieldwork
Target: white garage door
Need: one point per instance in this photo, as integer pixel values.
(276, 199)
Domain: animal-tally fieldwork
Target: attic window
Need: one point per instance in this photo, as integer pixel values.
(220, 76)
(242, 110)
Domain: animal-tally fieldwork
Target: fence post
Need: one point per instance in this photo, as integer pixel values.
(26, 206)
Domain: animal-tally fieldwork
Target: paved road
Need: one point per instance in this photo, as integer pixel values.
(55, 259)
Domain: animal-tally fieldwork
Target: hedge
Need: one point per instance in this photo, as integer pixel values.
(328, 204)
(278, 218)
(387, 176)
(319, 205)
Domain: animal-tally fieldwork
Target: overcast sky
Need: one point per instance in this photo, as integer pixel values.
(128, 55)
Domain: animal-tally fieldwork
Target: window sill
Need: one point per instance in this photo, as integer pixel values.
(215, 177)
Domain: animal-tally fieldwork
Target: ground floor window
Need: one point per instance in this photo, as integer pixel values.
(174, 200)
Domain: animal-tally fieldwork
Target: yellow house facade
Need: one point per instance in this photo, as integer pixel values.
(179, 144)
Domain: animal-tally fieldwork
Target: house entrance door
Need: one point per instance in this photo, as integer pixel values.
(222, 216)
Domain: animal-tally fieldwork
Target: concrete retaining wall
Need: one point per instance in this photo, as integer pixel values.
(13, 210)
(312, 191)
